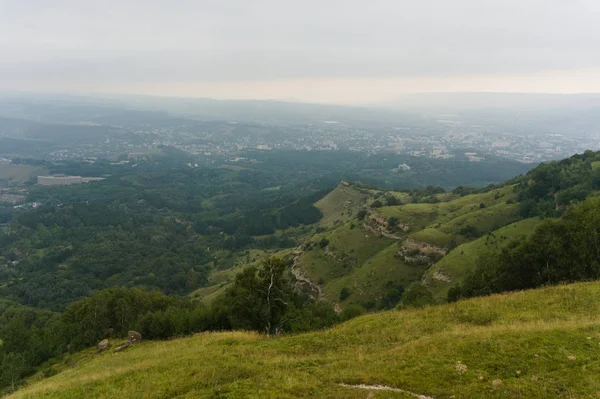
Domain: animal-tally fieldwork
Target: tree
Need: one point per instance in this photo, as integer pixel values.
(469, 231)
(393, 294)
(416, 296)
(275, 290)
(344, 293)
(361, 214)
(392, 201)
(258, 298)
(13, 367)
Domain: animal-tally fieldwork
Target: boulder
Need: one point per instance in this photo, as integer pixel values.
(133, 337)
(103, 345)
(121, 347)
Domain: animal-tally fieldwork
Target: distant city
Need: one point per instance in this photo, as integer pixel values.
(123, 134)
(473, 142)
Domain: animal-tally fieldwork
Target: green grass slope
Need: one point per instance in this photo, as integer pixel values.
(442, 222)
(348, 250)
(534, 344)
(340, 204)
(366, 282)
(455, 265)
(363, 258)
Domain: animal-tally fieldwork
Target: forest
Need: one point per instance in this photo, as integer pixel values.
(152, 227)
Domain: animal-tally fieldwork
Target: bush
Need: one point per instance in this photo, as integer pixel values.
(361, 214)
(416, 296)
(470, 231)
(352, 311)
(392, 201)
(344, 293)
(376, 204)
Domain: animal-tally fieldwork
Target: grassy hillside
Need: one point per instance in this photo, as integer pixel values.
(368, 257)
(400, 242)
(340, 204)
(367, 283)
(451, 269)
(535, 344)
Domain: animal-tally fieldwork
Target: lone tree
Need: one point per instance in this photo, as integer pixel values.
(259, 298)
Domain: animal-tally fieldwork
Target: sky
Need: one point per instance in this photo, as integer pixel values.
(329, 51)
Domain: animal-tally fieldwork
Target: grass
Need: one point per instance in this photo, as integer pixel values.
(367, 281)
(459, 261)
(348, 250)
(364, 262)
(484, 220)
(449, 217)
(340, 204)
(540, 344)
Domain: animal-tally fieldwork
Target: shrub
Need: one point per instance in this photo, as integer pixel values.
(376, 204)
(344, 293)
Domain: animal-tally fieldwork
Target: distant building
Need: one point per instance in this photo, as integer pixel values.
(65, 180)
(473, 157)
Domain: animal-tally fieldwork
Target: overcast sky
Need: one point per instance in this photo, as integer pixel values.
(346, 51)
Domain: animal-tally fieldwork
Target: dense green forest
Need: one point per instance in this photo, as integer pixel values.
(151, 226)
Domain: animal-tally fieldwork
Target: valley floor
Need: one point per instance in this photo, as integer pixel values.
(535, 344)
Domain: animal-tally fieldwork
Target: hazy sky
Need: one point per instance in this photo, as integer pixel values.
(346, 51)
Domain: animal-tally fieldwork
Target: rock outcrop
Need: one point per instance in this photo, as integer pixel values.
(103, 345)
(133, 337)
(123, 346)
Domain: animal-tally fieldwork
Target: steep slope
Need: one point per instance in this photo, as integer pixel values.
(452, 268)
(534, 344)
(340, 204)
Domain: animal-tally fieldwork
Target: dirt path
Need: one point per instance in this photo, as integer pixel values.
(385, 388)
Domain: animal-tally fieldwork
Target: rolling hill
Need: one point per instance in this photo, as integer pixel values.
(358, 249)
(370, 245)
(541, 343)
